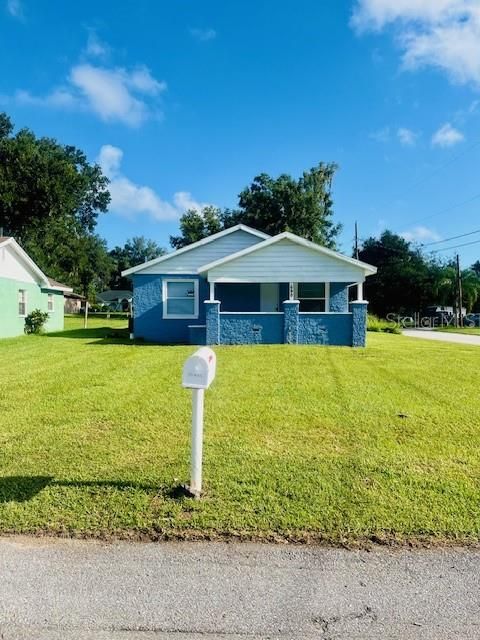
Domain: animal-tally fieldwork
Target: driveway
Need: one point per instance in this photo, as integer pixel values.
(63, 589)
(441, 336)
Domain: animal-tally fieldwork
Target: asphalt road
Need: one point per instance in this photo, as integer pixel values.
(442, 336)
(133, 591)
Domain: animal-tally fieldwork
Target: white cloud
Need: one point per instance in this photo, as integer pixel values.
(113, 94)
(407, 137)
(96, 48)
(381, 135)
(15, 9)
(203, 35)
(447, 136)
(439, 33)
(130, 199)
(420, 234)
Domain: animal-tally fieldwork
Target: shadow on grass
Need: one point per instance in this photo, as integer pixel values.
(104, 336)
(24, 488)
(97, 332)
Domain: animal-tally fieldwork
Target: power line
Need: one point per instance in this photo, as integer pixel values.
(457, 246)
(463, 235)
(418, 182)
(446, 210)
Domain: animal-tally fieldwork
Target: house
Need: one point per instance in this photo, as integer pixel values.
(241, 286)
(73, 302)
(23, 288)
(116, 299)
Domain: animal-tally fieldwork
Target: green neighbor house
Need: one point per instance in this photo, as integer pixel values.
(23, 288)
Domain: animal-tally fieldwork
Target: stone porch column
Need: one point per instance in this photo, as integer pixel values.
(212, 321)
(359, 322)
(290, 321)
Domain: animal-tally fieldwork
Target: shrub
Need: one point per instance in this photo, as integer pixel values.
(374, 323)
(35, 320)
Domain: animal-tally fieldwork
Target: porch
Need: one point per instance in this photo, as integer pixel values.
(282, 313)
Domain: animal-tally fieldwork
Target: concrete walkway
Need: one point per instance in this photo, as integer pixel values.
(428, 334)
(63, 590)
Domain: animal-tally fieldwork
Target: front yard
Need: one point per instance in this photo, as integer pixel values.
(304, 443)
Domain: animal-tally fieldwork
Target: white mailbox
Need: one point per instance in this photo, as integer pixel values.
(199, 369)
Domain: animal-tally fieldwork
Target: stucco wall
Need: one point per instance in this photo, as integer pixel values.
(11, 324)
(338, 302)
(255, 328)
(149, 323)
(328, 328)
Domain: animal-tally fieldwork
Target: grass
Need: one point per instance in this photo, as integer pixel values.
(302, 443)
(471, 331)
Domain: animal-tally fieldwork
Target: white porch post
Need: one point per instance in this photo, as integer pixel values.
(291, 291)
(360, 291)
(212, 291)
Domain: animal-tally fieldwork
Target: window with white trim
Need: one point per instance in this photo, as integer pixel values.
(180, 298)
(22, 302)
(313, 296)
(50, 303)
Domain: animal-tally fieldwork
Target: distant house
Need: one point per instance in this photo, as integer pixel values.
(116, 299)
(73, 302)
(23, 288)
(241, 286)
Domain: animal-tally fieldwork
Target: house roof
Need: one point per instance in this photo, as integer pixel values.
(45, 281)
(54, 284)
(367, 268)
(111, 295)
(194, 245)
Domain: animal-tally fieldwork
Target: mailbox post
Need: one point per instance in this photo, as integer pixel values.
(198, 374)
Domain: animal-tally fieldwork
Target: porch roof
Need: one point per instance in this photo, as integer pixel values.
(287, 258)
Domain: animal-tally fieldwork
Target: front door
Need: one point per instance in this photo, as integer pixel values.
(269, 298)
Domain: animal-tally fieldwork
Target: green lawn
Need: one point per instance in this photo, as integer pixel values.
(472, 331)
(303, 443)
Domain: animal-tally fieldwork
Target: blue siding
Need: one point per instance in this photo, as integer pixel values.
(329, 328)
(148, 310)
(262, 328)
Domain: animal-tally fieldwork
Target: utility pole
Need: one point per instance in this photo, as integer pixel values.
(459, 293)
(356, 240)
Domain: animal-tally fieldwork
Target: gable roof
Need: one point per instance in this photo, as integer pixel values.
(45, 281)
(195, 245)
(367, 268)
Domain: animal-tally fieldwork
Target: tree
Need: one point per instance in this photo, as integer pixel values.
(50, 198)
(302, 206)
(273, 205)
(405, 280)
(135, 251)
(41, 180)
(196, 225)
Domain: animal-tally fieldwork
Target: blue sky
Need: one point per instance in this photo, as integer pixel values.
(185, 102)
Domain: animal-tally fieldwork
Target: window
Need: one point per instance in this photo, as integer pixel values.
(22, 302)
(50, 306)
(180, 298)
(312, 296)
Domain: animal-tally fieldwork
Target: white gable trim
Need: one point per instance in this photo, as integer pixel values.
(194, 245)
(367, 268)
(29, 263)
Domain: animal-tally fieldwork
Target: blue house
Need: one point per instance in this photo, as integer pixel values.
(241, 286)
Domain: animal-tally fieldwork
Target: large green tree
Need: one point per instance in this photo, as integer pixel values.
(50, 198)
(196, 225)
(404, 282)
(135, 251)
(273, 205)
